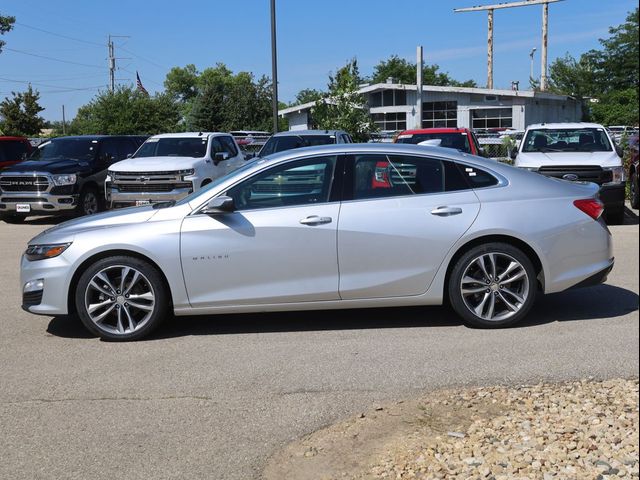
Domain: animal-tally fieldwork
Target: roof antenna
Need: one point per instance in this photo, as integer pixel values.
(200, 134)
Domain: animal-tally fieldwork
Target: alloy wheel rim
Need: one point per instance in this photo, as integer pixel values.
(494, 286)
(119, 300)
(90, 204)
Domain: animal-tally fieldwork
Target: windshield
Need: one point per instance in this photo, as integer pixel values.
(567, 140)
(74, 148)
(195, 147)
(219, 180)
(289, 142)
(456, 140)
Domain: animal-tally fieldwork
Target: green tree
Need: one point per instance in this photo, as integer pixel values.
(20, 114)
(6, 24)
(344, 108)
(403, 71)
(307, 95)
(182, 83)
(127, 111)
(609, 75)
(228, 101)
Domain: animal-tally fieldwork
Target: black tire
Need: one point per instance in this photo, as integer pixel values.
(496, 292)
(88, 201)
(13, 219)
(616, 217)
(136, 323)
(635, 197)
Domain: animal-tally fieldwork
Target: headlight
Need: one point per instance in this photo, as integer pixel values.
(40, 252)
(187, 172)
(617, 175)
(66, 179)
(531, 169)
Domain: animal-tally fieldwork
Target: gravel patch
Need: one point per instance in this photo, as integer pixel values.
(577, 430)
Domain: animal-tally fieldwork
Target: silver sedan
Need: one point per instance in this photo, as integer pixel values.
(342, 226)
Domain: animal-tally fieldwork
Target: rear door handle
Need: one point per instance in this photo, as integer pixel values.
(446, 211)
(315, 220)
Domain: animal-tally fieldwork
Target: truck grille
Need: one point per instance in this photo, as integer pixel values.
(150, 187)
(585, 173)
(25, 183)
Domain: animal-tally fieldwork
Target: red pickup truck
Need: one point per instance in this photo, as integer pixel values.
(13, 150)
(461, 139)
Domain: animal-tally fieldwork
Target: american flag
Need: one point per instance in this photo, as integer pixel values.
(139, 85)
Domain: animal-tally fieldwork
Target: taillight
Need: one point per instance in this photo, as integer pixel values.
(591, 206)
(381, 176)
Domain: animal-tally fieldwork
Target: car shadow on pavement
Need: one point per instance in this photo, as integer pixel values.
(630, 217)
(600, 302)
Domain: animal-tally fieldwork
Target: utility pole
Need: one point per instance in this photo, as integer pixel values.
(64, 122)
(274, 66)
(419, 67)
(533, 51)
(112, 61)
(523, 3)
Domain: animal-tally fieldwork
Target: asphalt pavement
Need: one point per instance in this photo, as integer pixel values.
(214, 397)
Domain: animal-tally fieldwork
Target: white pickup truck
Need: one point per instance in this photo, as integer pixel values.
(170, 166)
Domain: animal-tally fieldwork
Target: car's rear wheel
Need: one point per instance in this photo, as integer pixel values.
(121, 298)
(493, 285)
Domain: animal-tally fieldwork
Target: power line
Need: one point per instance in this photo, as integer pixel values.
(53, 59)
(42, 84)
(60, 35)
(144, 59)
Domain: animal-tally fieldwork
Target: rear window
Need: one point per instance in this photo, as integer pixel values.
(457, 140)
(289, 142)
(11, 150)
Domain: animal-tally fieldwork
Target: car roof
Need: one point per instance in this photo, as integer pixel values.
(558, 126)
(6, 138)
(189, 134)
(435, 130)
(94, 137)
(294, 133)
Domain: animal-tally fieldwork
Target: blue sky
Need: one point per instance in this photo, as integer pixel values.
(314, 38)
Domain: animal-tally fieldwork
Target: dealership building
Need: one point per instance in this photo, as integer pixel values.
(395, 107)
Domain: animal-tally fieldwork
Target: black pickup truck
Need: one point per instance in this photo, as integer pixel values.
(64, 175)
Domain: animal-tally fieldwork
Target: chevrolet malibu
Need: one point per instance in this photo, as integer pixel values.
(337, 226)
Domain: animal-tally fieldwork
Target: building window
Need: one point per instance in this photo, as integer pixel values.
(388, 98)
(390, 121)
(492, 118)
(439, 114)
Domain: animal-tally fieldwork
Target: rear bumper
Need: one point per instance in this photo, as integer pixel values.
(597, 278)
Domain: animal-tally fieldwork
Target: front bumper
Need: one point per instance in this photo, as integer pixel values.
(116, 199)
(38, 202)
(55, 274)
(613, 196)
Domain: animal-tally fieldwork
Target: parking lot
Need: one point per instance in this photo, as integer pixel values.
(214, 397)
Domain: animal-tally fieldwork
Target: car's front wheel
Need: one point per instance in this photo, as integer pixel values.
(492, 285)
(121, 298)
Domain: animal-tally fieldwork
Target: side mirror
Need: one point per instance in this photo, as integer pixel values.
(219, 205)
(619, 151)
(513, 153)
(129, 155)
(249, 156)
(220, 157)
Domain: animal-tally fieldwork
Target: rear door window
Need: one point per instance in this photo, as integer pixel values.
(11, 150)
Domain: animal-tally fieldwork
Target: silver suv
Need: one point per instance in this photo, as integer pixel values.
(303, 138)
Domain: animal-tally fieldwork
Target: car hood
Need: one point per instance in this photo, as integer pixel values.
(55, 166)
(155, 164)
(65, 231)
(543, 159)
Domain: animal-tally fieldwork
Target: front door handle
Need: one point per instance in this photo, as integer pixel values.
(315, 220)
(446, 211)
